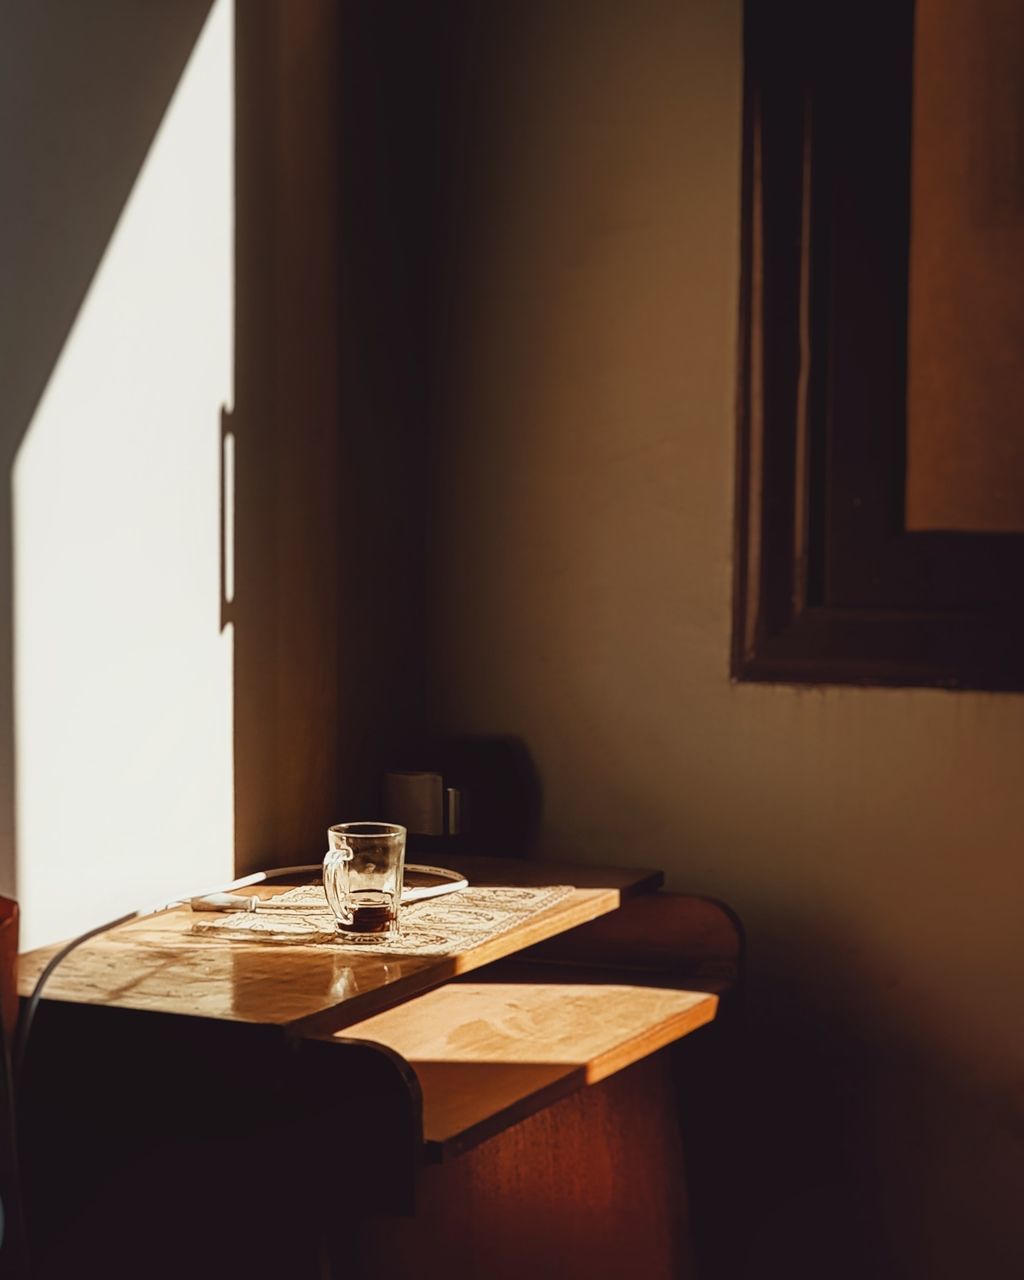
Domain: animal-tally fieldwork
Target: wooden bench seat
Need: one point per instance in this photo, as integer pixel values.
(487, 1054)
(555, 1111)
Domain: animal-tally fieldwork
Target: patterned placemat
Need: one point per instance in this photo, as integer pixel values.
(444, 926)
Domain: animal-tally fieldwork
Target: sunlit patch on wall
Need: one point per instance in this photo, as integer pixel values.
(123, 676)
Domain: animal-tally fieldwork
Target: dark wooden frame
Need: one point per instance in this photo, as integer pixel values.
(830, 586)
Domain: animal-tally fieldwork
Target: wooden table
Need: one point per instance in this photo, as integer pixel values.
(156, 964)
(308, 1111)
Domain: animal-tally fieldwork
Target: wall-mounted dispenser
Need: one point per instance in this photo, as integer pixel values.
(482, 795)
(432, 812)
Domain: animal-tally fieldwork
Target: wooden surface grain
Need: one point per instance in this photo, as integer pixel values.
(488, 1054)
(158, 964)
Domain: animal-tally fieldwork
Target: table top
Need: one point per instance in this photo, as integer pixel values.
(158, 964)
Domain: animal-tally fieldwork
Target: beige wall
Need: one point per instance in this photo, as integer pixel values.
(539, 216)
(585, 223)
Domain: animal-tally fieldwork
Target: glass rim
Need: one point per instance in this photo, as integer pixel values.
(378, 830)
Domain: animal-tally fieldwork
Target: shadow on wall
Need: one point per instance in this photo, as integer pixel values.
(392, 287)
(418, 197)
(862, 1124)
(285, 613)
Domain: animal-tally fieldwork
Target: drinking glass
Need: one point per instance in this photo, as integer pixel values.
(363, 879)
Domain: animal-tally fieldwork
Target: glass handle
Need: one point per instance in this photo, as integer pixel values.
(336, 882)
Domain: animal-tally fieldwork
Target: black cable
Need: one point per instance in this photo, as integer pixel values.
(28, 1013)
(16, 1061)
